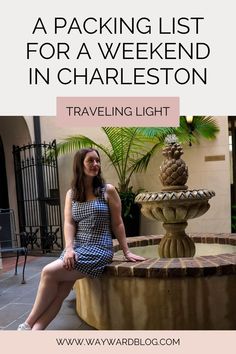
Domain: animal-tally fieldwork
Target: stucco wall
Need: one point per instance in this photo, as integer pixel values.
(212, 175)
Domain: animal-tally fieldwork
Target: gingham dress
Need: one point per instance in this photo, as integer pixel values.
(93, 239)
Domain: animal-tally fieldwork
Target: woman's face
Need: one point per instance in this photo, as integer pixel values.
(91, 164)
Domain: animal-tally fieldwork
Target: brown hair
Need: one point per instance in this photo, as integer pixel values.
(77, 184)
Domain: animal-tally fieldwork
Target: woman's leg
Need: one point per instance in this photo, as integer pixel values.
(50, 313)
(52, 275)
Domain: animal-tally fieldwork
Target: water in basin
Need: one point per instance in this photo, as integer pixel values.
(202, 249)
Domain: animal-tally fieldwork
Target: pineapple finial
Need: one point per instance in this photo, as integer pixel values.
(174, 172)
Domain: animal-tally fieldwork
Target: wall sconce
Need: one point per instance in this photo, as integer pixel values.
(189, 120)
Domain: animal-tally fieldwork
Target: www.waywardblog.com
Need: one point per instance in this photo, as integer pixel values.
(117, 341)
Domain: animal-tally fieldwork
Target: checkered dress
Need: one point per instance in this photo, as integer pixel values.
(93, 239)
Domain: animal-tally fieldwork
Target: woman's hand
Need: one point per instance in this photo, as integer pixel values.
(131, 257)
(69, 259)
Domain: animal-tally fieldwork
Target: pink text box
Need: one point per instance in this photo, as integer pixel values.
(118, 111)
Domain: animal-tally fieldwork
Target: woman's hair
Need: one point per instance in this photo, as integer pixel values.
(77, 184)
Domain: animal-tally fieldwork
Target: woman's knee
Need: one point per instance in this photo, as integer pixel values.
(46, 273)
(50, 271)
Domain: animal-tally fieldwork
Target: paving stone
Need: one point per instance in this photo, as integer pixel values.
(11, 312)
(67, 322)
(6, 298)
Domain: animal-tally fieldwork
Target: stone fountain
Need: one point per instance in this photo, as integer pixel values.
(175, 204)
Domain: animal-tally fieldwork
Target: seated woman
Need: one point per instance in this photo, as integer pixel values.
(92, 213)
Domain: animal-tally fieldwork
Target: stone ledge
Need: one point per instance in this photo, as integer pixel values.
(176, 267)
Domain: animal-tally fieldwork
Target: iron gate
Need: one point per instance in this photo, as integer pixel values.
(38, 198)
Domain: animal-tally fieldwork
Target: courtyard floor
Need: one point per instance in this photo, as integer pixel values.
(16, 299)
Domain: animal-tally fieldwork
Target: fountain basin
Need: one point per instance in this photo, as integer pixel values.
(166, 294)
(175, 206)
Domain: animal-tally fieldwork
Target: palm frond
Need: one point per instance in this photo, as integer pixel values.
(201, 127)
(115, 139)
(158, 134)
(73, 143)
(205, 127)
(142, 163)
(76, 142)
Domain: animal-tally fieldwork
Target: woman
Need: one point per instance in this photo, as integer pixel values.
(92, 212)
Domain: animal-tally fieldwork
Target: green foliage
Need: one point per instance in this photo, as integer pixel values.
(233, 218)
(201, 127)
(127, 201)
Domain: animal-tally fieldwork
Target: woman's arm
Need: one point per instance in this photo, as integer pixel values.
(117, 223)
(69, 233)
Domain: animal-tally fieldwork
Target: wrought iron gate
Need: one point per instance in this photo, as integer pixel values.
(38, 198)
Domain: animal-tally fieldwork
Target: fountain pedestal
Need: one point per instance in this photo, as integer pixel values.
(176, 243)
